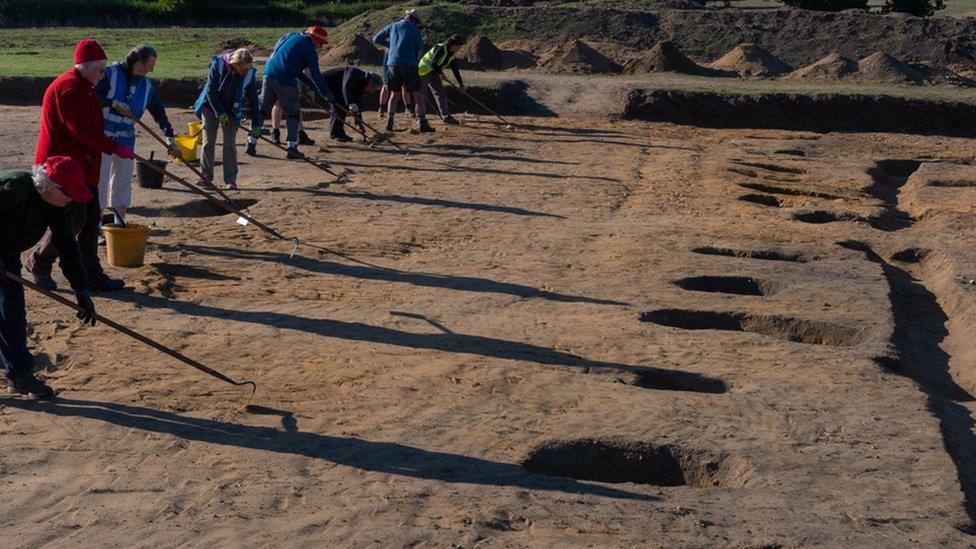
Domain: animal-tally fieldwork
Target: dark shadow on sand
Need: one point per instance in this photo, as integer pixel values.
(369, 272)
(381, 457)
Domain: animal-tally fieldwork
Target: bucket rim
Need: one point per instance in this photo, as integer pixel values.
(129, 227)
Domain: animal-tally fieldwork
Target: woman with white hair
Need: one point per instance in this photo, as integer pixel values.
(221, 105)
(72, 125)
(126, 93)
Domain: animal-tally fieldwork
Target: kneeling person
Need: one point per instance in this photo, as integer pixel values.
(31, 202)
(348, 85)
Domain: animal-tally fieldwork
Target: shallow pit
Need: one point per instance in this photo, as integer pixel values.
(674, 380)
(819, 217)
(910, 255)
(762, 199)
(773, 189)
(616, 461)
(740, 285)
(773, 167)
(795, 330)
(763, 255)
(194, 208)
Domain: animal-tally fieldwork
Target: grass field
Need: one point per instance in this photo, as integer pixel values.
(182, 51)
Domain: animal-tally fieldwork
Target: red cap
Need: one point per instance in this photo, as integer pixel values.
(68, 175)
(318, 34)
(89, 50)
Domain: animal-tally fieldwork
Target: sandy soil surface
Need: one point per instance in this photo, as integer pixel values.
(573, 333)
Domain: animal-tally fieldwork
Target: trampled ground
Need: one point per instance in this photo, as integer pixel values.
(571, 333)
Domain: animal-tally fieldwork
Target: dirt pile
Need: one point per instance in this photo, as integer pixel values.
(480, 53)
(663, 57)
(353, 50)
(883, 67)
(576, 57)
(232, 44)
(750, 60)
(832, 67)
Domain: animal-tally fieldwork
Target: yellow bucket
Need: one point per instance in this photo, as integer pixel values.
(194, 129)
(188, 147)
(126, 245)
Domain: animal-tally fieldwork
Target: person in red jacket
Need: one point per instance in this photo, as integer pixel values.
(72, 125)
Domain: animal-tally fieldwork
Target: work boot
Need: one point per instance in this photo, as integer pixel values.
(381, 113)
(343, 138)
(389, 124)
(451, 120)
(44, 281)
(304, 139)
(25, 383)
(293, 154)
(105, 283)
(251, 149)
(276, 136)
(425, 127)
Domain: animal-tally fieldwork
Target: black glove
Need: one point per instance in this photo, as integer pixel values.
(87, 313)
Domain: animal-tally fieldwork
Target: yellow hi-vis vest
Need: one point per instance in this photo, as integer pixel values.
(427, 62)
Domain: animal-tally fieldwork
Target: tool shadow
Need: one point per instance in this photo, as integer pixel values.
(381, 457)
(445, 341)
(387, 274)
(418, 200)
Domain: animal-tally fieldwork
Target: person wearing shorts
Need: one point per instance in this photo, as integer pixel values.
(405, 43)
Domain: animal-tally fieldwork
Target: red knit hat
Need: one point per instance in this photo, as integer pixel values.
(318, 34)
(69, 175)
(89, 50)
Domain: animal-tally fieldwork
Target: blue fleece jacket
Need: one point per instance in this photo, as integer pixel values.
(293, 54)
(404, 40)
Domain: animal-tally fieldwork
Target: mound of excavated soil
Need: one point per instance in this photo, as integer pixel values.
(353, 50)
(240, 42)
(832, 67)
(883, 67)
(480, 53)
(663, 57)
(576, 56)
(750, 60)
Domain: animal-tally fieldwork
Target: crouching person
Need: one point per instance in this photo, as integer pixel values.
(220, 105)
(31, 202)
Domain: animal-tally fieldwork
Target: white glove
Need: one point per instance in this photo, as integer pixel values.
(354, 108)
(174, 149)
(122, 108)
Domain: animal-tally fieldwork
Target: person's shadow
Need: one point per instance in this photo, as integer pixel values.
(381, 457)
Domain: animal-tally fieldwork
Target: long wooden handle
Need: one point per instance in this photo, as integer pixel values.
(195, 171)
(228, 207)
(134, 334)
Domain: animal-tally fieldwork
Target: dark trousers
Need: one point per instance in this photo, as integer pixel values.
(337, 122)
(13, 325)
(85, 219)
